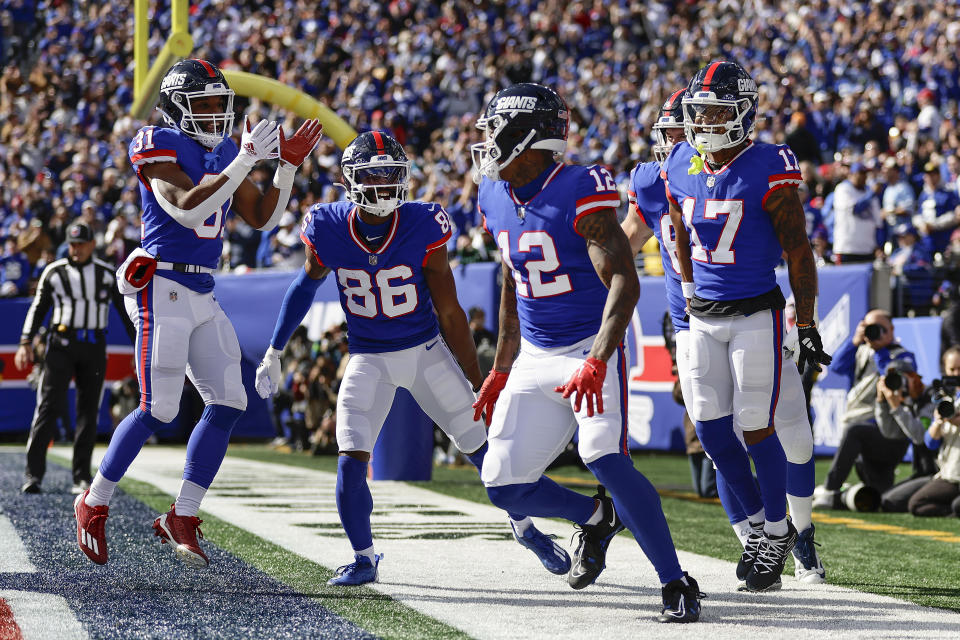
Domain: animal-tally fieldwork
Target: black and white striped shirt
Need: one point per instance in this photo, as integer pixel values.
(80, 297)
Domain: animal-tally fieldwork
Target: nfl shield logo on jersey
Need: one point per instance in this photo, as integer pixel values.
(711, 181)
(373, 259)
(173, 296)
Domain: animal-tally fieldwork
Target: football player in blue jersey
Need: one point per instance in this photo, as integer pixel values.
(649, 214)
(735, 210)
(191, 174)
(405, 328)
(569, 291)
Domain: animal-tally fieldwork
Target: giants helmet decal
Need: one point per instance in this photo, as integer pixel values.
(189, 80)
(670, 117)
(721, 108)
(524, 116)
(376, 173)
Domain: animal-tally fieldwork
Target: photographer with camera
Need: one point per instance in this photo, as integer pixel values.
(884, 383)
(937, 494)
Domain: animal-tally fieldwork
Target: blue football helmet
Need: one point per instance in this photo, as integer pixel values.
(670, 117)
(720, 109)
(376, 173)
(189, 80)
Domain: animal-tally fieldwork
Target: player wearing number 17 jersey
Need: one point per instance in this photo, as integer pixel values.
(735, 211)
(649, 204)
(569, 291)
(389, 259)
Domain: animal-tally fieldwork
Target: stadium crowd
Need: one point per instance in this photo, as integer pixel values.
(865, 93)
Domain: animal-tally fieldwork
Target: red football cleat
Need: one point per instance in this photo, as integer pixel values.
(91, 525)
(181, 532)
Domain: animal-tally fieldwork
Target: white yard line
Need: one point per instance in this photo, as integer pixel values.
(13, 555)
(43, 615)
(490, 587)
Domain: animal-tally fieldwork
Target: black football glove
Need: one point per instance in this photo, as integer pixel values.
(811, 349)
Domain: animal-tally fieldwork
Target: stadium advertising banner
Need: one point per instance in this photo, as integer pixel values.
(252, 301)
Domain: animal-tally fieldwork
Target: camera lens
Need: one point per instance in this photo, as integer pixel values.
(893, 380)
(873, 331)
(945, 407)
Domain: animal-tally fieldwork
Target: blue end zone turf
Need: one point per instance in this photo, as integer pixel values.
(144, 591)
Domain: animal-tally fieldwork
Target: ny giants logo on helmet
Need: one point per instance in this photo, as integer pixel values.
(173, 80)
(516, 103)
(746, 85)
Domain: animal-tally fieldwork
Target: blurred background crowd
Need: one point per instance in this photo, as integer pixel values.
(865, 93)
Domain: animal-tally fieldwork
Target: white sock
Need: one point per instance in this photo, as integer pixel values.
(597, 514)
(759, 516)
(742, 529)
(367, 553)
(800, 511)
(101, 490)
(189, 498)
(521, 526)
(778, 528)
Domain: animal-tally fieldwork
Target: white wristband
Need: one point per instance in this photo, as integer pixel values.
(283, 178)
(688, 289)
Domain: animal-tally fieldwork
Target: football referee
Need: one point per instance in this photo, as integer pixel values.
(80, 289)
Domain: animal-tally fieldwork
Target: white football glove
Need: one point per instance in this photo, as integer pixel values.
(268, 373)
(791, 344)
(260, 143)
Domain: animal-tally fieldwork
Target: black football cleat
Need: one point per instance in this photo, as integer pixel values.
(590, 557)
(771, 555)
(749, 551)
(681, 600)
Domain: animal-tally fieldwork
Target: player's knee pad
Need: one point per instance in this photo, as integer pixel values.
(753, 414)
(797, 441)
(148, 420)
(510, 497)
(164, 406)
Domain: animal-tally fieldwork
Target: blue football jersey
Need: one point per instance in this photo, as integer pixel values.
(733, 245)
(160, 234)
(648, 194)
(560, 297)
(383, 291)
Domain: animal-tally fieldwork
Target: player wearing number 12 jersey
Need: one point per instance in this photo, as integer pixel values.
(735, 211)
(389, 259)
(569, 291)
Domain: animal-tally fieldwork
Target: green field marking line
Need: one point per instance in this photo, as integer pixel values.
(845, 521)
(378, 613)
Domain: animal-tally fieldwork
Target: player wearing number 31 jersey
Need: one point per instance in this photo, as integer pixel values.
(389, 259)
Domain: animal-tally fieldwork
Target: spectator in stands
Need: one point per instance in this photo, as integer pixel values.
(856, 218)
(912, 271)
(938, 210)
(14, 270)
(898, 197)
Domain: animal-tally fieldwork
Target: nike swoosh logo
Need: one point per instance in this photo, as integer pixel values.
(432, 345)
(586, 351)
(576, 572)
(613, 516)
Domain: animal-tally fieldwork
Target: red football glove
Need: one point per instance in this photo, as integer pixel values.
(295, 149)
(587, 382)
(488, 394)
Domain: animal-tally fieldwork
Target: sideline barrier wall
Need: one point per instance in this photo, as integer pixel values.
(252, 301)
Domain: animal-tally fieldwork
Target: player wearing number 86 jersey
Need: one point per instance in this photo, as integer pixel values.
(389, 259)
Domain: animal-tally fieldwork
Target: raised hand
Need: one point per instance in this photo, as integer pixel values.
(261, 142)
(295, 149)
(586, 382)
